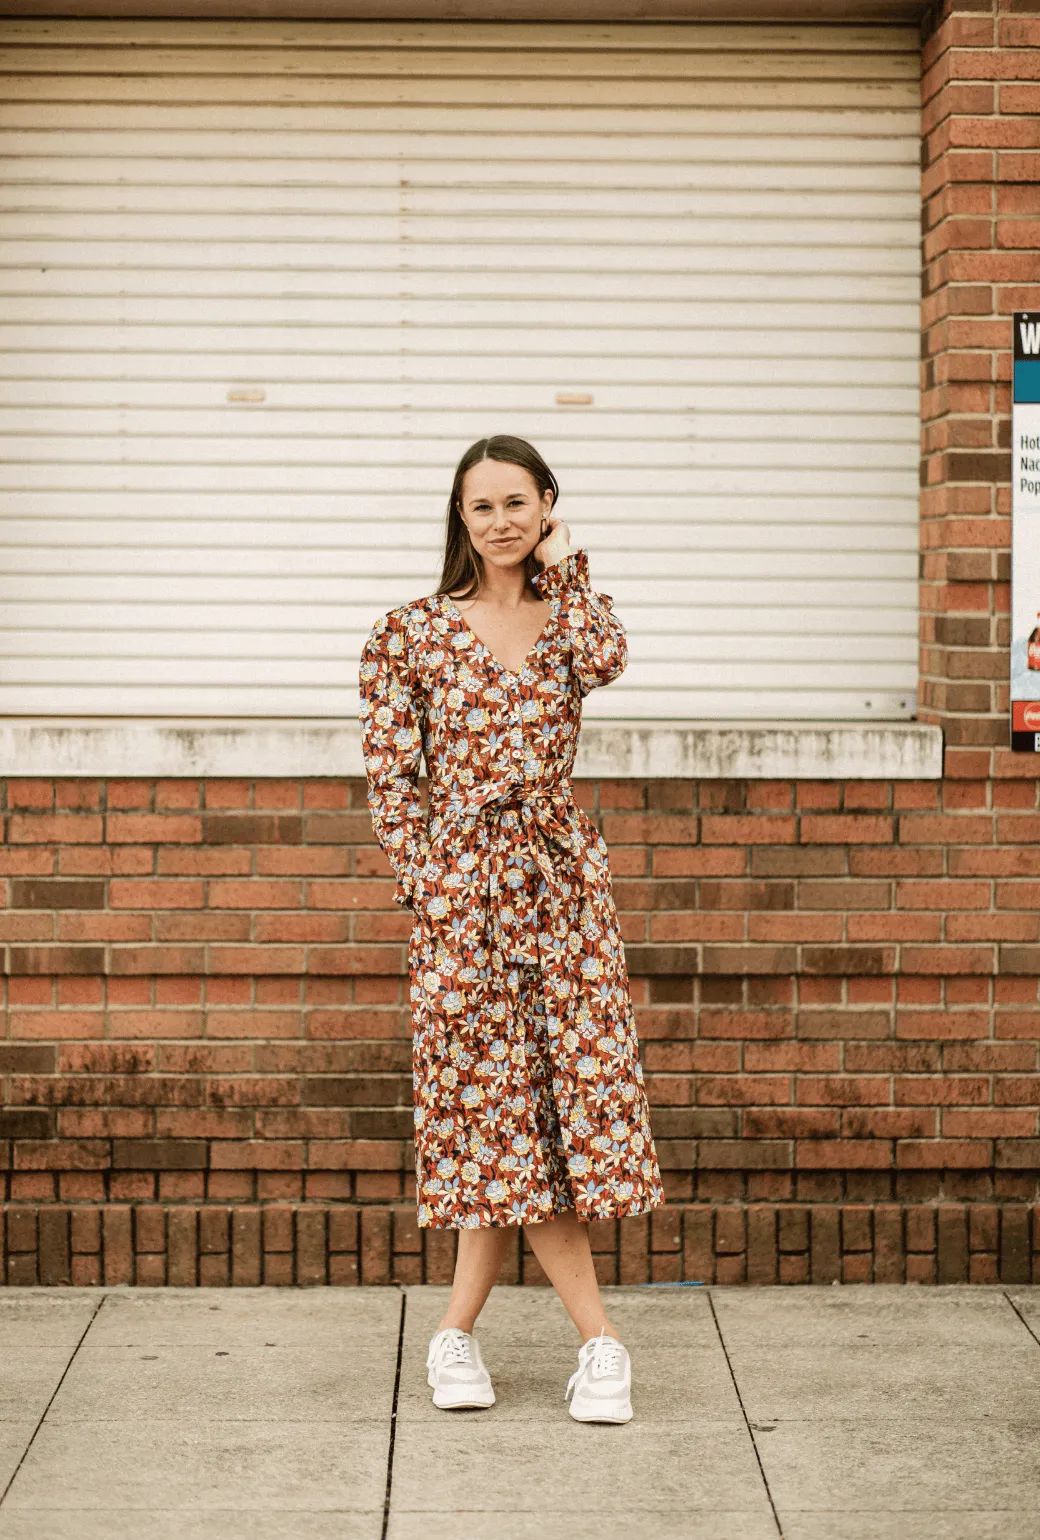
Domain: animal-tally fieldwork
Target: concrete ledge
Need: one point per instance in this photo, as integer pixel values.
(770, 751)
(821, 751)
(885, 12)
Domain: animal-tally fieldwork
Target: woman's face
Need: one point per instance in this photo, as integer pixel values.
(503, 511)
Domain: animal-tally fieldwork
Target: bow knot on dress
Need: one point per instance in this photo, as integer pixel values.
(528, 858)
(528, 1093)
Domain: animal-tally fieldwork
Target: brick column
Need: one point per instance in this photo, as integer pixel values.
(981, 202)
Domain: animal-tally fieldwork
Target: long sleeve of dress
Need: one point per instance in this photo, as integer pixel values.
(594, 634)
(391, 737)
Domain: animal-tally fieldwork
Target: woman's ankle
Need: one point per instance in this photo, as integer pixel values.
(607, 1328)
(456, 1321)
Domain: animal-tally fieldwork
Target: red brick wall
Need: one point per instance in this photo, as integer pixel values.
(217, 1245)
(981, 203)
(837, 996)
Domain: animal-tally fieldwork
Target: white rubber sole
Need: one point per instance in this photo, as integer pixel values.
(600, 1411)
(455, 1398)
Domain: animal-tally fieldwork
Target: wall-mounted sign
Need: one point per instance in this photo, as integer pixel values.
(1025, 534)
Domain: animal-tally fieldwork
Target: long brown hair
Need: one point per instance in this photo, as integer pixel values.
(462, 566)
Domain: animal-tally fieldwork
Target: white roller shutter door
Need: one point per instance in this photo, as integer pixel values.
(263, 282)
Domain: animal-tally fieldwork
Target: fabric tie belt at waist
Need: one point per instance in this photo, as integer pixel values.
(544, 830)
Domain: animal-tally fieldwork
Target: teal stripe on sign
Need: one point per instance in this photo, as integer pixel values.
(1027, 380)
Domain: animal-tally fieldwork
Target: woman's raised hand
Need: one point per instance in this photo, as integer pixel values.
(556, 544)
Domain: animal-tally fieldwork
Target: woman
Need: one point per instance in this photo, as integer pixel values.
(528, 1091)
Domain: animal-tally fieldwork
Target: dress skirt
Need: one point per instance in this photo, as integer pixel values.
(531, 1017)
(501, 1159)
(507, 1130)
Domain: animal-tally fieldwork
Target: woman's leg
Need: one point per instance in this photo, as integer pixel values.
(561, 1245)
(478, 1263)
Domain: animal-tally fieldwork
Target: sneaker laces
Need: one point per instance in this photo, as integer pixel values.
(453, 1348)
(602, 1353)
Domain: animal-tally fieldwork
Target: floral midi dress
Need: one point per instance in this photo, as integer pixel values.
(528, 1091)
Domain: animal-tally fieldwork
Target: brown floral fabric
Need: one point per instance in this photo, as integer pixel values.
(527, 1086)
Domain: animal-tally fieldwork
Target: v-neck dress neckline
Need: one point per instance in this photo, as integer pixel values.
(483, 651)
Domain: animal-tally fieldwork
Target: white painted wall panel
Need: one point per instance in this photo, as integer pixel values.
(409, 235)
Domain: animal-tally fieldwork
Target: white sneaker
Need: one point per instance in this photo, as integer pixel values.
(602, 1381)
(456, 1370)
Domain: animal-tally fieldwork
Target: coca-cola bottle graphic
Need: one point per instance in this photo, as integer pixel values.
(1033, 647)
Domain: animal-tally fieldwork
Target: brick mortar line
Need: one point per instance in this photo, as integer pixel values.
(50, 1403)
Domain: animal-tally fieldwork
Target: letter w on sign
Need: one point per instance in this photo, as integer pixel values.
(1030, 334)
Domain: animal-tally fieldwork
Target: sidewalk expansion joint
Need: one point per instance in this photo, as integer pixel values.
(393, 1418)
(743, 1413)
(1021, 1317)
(50, 1403)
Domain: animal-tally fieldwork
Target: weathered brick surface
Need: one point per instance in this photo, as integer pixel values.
(978, 180)
(899, 1063)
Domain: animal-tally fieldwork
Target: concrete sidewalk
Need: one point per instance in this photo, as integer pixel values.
(843, 1413)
